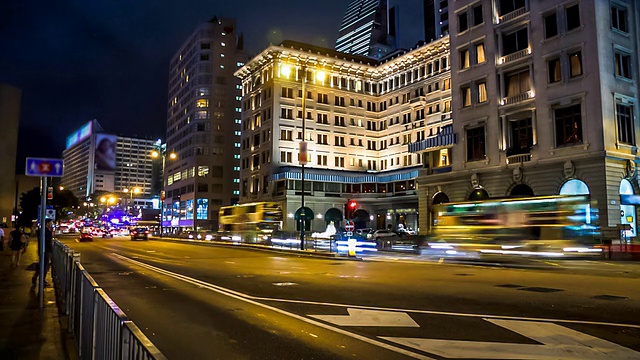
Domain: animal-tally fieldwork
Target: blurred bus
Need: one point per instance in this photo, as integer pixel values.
(254, 222)
(552, 226)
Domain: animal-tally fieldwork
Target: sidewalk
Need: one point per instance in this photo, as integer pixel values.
(26, 332)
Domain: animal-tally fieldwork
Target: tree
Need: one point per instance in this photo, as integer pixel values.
(29, 202)
(63, 201)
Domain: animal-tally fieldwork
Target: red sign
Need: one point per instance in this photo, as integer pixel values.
(349, 226)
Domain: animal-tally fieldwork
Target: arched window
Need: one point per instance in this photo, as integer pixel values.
(627, 212)
(577, 187)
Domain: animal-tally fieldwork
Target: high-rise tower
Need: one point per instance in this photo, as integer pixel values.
(203, 126)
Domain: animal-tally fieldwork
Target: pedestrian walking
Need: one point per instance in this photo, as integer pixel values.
(17, 245)
(48, 252)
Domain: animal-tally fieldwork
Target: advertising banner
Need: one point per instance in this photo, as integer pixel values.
(105, 155)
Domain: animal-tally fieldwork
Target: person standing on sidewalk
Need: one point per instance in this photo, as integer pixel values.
(17, 244)
(48, 252)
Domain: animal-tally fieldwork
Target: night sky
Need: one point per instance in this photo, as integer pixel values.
(76, 60)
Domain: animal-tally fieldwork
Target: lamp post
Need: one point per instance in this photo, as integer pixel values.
(161, 152)
(135, 190)
(302, 154)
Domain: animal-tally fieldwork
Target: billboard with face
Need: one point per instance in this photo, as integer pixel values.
(105, 155)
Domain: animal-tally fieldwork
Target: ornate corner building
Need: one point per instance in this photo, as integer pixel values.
(362, 117)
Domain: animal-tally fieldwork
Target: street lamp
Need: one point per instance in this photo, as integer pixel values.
(303, 156)
(135, 190)
(161, 152)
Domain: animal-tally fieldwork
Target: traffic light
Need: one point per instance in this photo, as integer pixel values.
(350, 208)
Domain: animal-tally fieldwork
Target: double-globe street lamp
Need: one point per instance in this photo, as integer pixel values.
(161, 152)
(135, 190)
(303, 157)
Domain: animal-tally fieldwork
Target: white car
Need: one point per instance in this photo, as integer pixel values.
(381, 234)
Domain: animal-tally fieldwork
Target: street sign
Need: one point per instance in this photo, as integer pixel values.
(348, 226)
(44, 167)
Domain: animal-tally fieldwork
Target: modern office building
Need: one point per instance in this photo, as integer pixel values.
(203, 127)
(360, 116)
(95, 161)
(544, 101)
(365, 29)
(375, 28)
(10, 120)
(436, 19)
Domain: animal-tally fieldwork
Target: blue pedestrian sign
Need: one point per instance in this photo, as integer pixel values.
(44, 167)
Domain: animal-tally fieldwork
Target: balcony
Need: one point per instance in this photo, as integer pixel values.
(420, 100)
(518, 98)
(444, 138)
(512, 15)
(518, 159)
(520, 54)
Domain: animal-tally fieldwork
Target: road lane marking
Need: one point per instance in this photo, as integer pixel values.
(558, 342)
(428, 312)
(246, 298)
(359, 317)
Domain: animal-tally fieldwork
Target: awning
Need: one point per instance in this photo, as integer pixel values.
(308, 214)
(333, 214)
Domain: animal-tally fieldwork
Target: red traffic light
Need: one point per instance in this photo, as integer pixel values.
(352, 205)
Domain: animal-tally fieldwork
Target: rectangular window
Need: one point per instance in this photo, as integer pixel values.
(573, 17)
(521, 137)
(550, 25)
(466, 96)
(517, 83)
(477, 15)
(507, 6)
(575, 59)
(463, 23)
(475, 144)
(623, 65)
(553, 67)
(568, 125)
(482, 92)
(626, 131)
(619, 19)
(515, 41)
(480, 58)
(464, 59)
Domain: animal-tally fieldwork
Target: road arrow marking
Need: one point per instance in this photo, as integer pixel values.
(558, 342)
(359, 317)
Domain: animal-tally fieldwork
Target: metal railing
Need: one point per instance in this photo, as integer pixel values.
(100, 328)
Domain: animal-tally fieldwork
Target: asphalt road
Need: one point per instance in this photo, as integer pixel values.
(227, 302)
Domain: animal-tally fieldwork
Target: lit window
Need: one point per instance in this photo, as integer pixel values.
(553, 67)
(480, 54)
(466, 96)
(236, 145)
(575, 59)
(223, 44)
(464, 59)
(482, 92)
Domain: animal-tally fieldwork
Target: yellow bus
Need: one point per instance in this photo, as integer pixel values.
(555, 226)
(253, 222)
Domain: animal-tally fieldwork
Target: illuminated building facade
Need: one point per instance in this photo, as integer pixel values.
(361, 116)
(545, 101)
(96, 161)
(203, 127)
